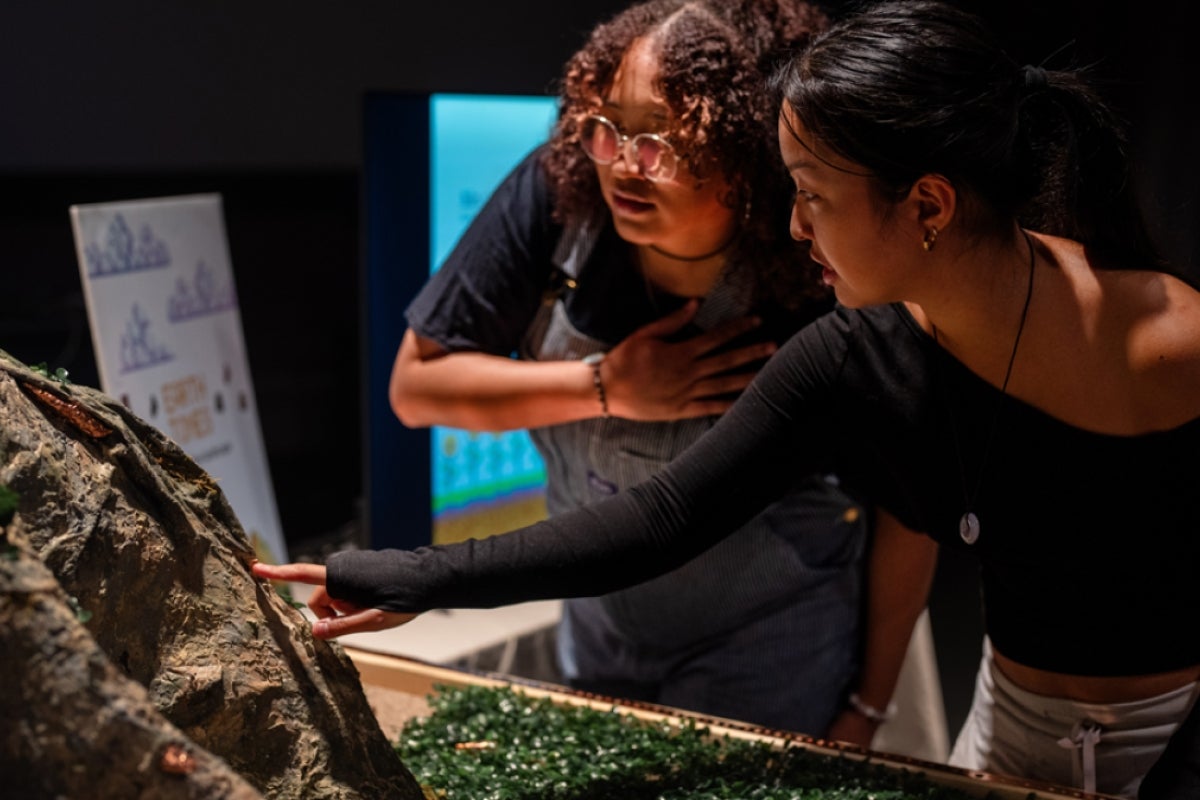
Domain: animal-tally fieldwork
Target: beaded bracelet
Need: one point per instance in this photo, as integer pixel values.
(869, 711)
(594, 360)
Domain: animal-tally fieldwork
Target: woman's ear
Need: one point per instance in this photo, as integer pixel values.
(933, 200)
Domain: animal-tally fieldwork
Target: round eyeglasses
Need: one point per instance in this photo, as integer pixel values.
(651, 154)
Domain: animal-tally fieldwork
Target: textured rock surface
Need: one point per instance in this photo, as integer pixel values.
(74, 726)
(147, 545)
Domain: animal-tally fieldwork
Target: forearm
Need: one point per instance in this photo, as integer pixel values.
(900, 571)
(481, 392)
(591, 551)
(725, 478)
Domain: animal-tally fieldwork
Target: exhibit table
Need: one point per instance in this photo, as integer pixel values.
(415, 679)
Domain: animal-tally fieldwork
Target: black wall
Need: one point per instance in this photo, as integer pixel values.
(271, 84)
(261, 102)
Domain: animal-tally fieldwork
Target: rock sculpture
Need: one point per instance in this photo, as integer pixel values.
(144, 652)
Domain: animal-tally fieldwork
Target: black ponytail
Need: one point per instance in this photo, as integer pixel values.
(911, 87)
(1078, 155)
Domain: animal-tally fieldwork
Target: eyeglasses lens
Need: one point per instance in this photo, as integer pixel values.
(653, 157)
(600, 140)
(603, 143)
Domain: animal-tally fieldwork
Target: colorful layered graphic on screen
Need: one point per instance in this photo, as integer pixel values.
(483, 483)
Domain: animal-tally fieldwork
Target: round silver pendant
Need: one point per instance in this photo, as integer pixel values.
(968, 527)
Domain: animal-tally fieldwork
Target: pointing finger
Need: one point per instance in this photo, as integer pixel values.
(302, 573)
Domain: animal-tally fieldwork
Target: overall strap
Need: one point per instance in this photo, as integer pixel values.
(575, 246)
(572, 251)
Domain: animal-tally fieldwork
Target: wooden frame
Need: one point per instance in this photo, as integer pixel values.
(419, 678)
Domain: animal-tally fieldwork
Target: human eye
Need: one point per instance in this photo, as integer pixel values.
(804, 195)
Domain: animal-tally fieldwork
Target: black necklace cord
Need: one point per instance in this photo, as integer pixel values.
(969, 527)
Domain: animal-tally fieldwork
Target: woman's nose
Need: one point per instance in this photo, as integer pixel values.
(799, 227)
(626, 158)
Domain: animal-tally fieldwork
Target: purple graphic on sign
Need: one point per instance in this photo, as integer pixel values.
(122, 253)
(204, 295)
(138, 350)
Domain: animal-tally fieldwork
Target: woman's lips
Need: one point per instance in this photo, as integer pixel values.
(828, 276)
(630, 205)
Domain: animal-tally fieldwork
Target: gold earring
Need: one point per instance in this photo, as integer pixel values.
(930, 238)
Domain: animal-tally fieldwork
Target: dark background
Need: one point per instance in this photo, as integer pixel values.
(262, 102)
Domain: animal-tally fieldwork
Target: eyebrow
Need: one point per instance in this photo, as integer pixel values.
(617, 106)
(800, 163)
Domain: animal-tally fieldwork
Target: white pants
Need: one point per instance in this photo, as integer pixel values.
(1096, 747)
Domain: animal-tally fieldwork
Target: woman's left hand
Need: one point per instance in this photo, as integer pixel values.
(334, 617)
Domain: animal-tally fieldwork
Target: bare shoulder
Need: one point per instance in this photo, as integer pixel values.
(1163, 313)
(1135, 332)
(1127, 305)
(1162, 340)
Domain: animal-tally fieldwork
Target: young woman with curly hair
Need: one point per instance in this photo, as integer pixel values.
(709, 63)
(640, 265)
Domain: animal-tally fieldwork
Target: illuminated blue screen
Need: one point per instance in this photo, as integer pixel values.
(482, 483)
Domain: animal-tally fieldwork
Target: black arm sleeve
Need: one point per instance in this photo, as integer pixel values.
(776, 430)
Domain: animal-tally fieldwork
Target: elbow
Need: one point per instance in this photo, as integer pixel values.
(407, 409)
(407, 404)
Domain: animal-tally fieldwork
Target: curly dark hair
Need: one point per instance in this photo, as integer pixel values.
(715, 57)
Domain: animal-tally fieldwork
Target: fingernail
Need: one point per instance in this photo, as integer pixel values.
(320, 628)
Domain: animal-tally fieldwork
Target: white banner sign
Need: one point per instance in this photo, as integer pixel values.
(168, 339)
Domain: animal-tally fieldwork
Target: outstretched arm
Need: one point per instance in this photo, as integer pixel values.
(784, 425)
